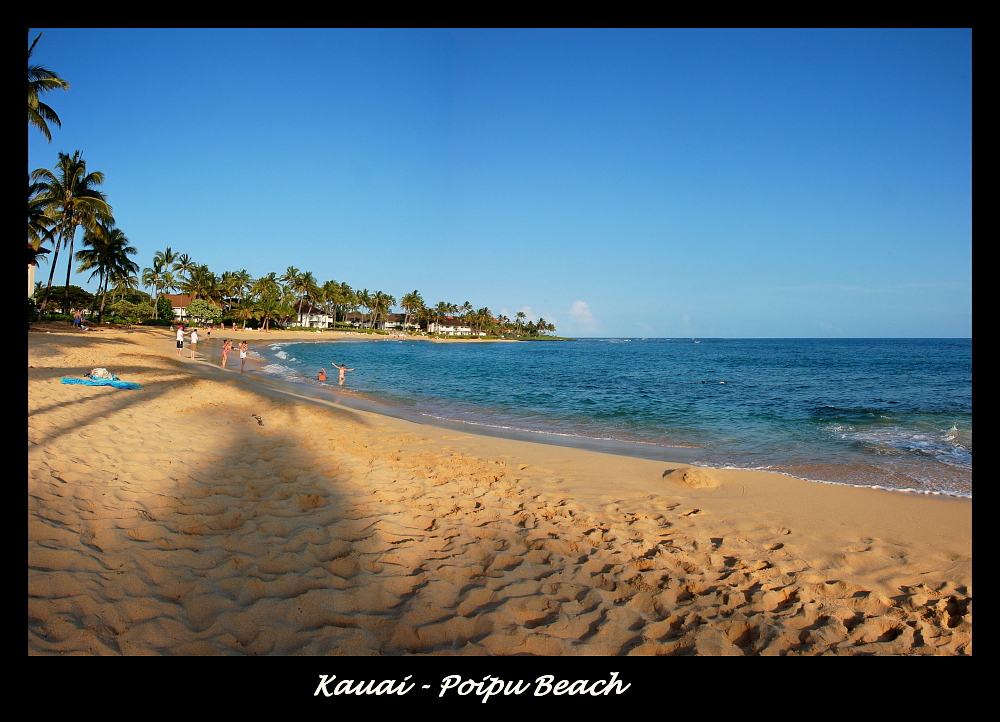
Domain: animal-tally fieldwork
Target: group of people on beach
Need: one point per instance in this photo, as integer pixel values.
(227, 346)
(244, 347)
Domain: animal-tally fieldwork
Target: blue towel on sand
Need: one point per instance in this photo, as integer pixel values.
(104, 382)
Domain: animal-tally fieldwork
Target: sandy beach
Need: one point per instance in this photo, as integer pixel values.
(217, 514)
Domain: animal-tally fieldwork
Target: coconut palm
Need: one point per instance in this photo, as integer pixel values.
(71, 198)
(329, 293)
(483, 319)
(305, 288)
(244, 310)
(42, 80)
(106, 251)
(41, 222)
(442, 308)
(411, 304)
(201, 283)
(348, 299)
(160, 280)
(364, 300)
(122, 283)
(519, 321)
(242, 282)
(382, 304)
(166, 259)
(265, 286)
(183, 264)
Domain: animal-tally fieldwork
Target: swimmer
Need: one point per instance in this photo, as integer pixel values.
(343, 369)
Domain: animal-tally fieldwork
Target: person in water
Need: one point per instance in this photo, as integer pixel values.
(322, 374)
(343, 368)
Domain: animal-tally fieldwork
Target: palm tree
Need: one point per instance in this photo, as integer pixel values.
(269, 307)
(166, 259)
(161, 280)
(382, 303)
(201, 283)
(244, 311)
(41, 80)
(265, 286)
(519, 316)
(441, 309)
(329, 293)
(71, 196)
(40, 217)
(106, 251)
(364, 299)
(348, 299)
(305, 287)
(483, 318)
(242, 281)
(183, 264)
(411, 304)
(122, 283)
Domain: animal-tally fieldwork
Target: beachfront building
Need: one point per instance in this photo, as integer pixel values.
(179, 303)
(450, 326)
(312, 317)
(392, 322)
(397, 322)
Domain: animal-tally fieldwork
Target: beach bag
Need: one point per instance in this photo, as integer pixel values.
(102, 373)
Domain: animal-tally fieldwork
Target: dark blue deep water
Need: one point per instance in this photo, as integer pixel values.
(895, 413)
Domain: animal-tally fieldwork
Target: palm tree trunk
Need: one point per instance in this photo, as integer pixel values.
(69, 269)
(48, 288)
(104, 296)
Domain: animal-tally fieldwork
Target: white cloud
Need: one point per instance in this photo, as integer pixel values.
(582, 318)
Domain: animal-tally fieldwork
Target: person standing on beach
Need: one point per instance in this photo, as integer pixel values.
(194, 341)
(227, 345)
(180, 338)
(77, 319)
(244, 346)
(342, 374)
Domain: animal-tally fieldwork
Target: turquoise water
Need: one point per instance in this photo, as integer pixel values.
(893, 413)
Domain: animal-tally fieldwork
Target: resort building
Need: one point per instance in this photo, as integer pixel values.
(180, 302)
(450, 326)
(312, 317)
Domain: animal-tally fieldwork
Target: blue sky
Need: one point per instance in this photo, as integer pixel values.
(650, 183)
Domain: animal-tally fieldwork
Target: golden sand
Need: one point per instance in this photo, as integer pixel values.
(213, 513)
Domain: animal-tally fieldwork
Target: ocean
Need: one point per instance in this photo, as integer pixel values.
(888, 413)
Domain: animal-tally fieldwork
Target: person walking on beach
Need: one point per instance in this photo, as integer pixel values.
(227, 346)
(342, 374)
(194, 341)
(180, 338)
(244, 346)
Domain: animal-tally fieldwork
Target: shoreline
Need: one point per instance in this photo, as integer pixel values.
(672, 453)
(197, 515)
